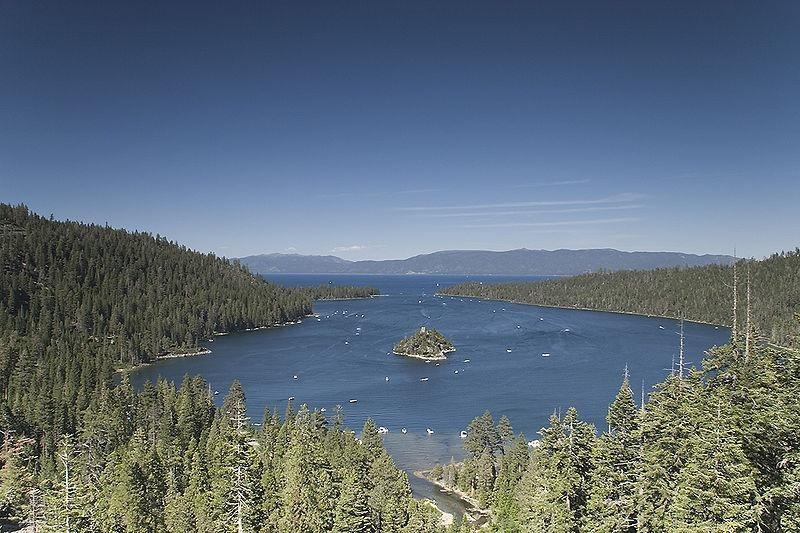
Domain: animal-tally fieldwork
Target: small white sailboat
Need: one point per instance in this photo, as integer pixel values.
(387, 378)
(463, 434)
(346, 342)
(466, 360)
(508, 350)
(382, 430)
(291, 398)
(540, 318)
(322, 410)
(660, 327)
(295, 377)
(546, 354)
(429, 431)
(424, 379)
(216, 392)
(403, 431)
(353, 400)
(455, 371)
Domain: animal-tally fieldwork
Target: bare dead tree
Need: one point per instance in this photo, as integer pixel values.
(749, 332)
(681, 356)
(734, 328)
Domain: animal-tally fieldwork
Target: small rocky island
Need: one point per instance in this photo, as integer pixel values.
(425, 344)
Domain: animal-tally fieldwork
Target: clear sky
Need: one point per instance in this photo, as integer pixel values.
(382, 130)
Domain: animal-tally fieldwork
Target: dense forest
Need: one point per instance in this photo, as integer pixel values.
(703, 293)
(167, 460)
(79, 452)
(426, 343)
(715, 449)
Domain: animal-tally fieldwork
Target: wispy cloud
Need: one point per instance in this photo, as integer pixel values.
(527, 212)
(617, 198)
(356, 248)
(552, 223)
(366, 194)
(550, 184)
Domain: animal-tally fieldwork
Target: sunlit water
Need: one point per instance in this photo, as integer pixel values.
(344, 354)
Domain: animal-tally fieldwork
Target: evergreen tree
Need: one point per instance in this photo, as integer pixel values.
(613, 492)
(353, 514)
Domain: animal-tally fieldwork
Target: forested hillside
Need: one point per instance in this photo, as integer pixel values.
(713, 450)
(699, 293)
(81, 454)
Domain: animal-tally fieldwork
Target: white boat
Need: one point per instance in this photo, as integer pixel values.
(518, 326)
(291, 398)
(455, 371)
(294, 377)
(466, 360)
(216, 392)
(437, 364)
(322, 410)
(565, 330)
(346, 342)
(382, 430)
(546, 354)
(353, 400)
(660, 327)
(463, 434)
(404, 431)
(508, 350)
(424, 379)
(540, 318)
(429, 430)
(387, 378)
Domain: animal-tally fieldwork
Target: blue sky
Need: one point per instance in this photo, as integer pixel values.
(382, 130)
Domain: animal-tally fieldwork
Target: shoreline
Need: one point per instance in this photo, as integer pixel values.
(483, 514)
(582, 309)
(442, 356)
(205, 351)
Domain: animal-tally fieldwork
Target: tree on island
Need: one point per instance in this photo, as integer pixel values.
(425, 344)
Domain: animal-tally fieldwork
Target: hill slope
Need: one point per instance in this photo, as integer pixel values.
(698, 293)
(520, 262)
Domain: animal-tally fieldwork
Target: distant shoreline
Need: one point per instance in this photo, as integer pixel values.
(205, 351)
(581, 309)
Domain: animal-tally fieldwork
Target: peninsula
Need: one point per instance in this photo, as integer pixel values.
(426, 344)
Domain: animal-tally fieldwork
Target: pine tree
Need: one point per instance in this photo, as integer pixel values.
(353, 514)
(553, 491)
(612, 497)
(716, 490)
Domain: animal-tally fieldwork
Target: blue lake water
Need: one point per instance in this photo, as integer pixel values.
(344, 354)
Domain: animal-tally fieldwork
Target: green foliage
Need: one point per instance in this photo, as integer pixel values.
(425, 343)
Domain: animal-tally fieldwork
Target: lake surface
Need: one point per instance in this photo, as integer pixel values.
(344, 354)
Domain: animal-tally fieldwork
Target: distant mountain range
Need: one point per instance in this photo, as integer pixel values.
(481, 262)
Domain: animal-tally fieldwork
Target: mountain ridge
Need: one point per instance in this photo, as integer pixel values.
(521, 261)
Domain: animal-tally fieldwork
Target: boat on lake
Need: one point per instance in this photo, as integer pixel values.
(546, 354)
(429, 431)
